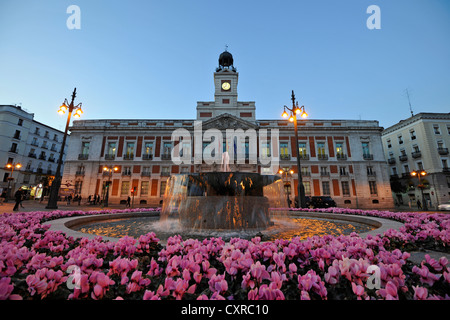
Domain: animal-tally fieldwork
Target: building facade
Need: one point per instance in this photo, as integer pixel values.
(340, 158)
(29, 151)
(419, 143)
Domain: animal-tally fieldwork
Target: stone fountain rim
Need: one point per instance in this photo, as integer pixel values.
(65, 224)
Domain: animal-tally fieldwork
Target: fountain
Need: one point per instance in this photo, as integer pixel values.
(222, 200)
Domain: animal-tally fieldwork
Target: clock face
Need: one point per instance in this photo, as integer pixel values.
(226, 86)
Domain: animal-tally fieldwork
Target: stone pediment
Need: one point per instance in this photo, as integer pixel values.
(228, 121)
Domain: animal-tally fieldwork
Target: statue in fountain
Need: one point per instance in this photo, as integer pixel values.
(225, 162)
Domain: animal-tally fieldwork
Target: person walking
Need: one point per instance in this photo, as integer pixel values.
(128, 201)
(79, 199)
(18, 198)
(419, 204)
(3, 197)
(22, 197)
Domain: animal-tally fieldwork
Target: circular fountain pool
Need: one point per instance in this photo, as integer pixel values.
(283, 227)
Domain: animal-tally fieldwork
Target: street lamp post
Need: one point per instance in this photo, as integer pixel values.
(293, 118)
(54, 191)
(420, 174)
(11, 166)
(285, 172)
(110, 171)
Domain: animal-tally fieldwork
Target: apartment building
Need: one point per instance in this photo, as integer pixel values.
(29, 151)
(419, 143)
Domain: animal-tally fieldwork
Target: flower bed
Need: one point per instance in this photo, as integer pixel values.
(36, 263)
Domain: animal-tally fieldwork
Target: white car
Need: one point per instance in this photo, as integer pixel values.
(445, 206)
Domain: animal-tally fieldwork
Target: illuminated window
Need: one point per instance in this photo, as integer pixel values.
(125, 188)
(144, 187)
(326, 188)
(373, 187)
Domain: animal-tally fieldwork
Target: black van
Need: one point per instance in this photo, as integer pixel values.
(318, 202)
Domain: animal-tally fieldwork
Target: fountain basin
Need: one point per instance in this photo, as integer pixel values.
(92, 226)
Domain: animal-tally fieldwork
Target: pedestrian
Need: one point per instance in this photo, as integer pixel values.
(89, 199)
(128, 201)
(69, 198)
(79, 199)
(22, 198)
(2, 197)
(18, 198)
(419, 205)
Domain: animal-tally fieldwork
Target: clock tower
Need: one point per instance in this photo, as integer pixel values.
(225, 82)
(225, 93)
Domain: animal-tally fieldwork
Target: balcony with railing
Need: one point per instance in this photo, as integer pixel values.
(83, 156)
(367, 156)
(406, 174)
(416, 154)
(166, 156)
(79, 173)
(285, 156)
(146, 173)
(147, 157)
(165, 173)
(128, 156)
(110, 156)
(32, 155)
(341, 156)
(391, 160)
(443, 151)
(322, 156)
(403, 157)
(42, 157)
(304, 156)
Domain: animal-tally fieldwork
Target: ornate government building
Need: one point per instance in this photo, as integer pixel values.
(343, 159)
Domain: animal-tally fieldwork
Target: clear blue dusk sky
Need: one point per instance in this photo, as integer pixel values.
(155, 59)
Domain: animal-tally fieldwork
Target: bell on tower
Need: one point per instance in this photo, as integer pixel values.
(225, 61)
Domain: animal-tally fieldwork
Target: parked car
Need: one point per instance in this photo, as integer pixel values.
(322, 202)
(445, 206)
(318, 202)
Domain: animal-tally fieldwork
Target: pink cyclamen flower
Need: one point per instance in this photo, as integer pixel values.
(332, 275)
(6, 288)
(420, 293)
(389, 292)
(358, 290)
(150, 295)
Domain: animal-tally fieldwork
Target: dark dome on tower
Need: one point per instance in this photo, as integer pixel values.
(225, 59)
(225, 62)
